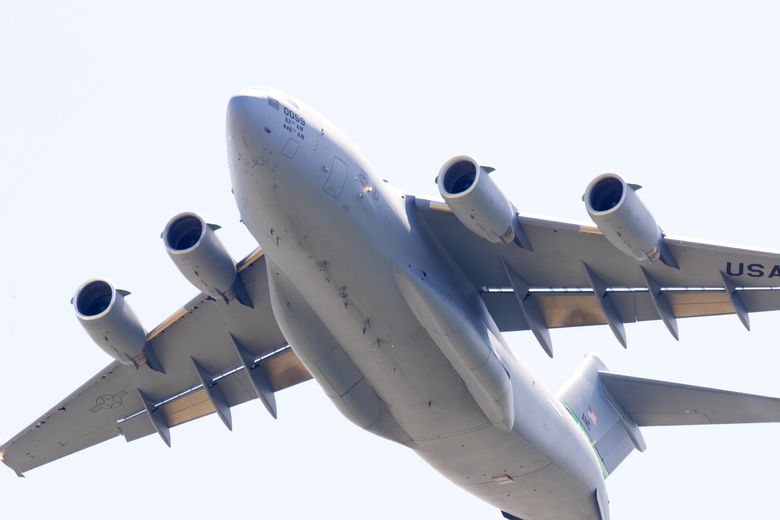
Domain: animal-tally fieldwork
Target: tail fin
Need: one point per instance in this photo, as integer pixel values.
(612, 431)
(611, 408)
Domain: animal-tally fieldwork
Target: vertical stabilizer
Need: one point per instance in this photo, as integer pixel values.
(610, 408)
(612, 431)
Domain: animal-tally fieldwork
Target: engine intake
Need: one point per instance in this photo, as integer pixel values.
(477, 201)
(109, 320)
(624, 220)
(459, 177)
(202, 258)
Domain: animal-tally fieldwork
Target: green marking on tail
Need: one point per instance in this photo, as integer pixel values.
(592, 444)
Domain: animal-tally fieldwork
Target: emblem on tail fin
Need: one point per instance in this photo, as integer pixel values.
(590, 418)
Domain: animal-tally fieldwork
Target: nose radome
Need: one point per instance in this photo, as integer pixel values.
(245, 112)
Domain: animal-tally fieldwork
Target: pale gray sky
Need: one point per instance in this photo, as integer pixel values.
(112, 120)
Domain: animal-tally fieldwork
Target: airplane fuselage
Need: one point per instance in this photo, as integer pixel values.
(342, 245)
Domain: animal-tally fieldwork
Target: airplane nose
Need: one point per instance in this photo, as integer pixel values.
(244, 114)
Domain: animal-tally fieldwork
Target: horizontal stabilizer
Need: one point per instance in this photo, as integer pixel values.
(660, 403)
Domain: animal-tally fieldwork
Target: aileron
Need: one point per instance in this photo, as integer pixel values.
(135, 402)
(577, 308)
(393, 302)
(708, 280)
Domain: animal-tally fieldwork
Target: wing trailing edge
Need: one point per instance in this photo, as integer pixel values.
(216, 355)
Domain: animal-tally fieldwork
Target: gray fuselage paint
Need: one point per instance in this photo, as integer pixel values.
(334, 258)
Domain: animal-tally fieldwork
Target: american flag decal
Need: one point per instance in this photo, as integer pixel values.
(594, 419)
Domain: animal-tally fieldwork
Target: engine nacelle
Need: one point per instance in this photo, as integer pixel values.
(200, 256)
(475, 199)
(625, 221)
(110, 321)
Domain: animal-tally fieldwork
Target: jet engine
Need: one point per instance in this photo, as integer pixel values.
(476, 201)
(624, 220)
(110, 321)
(202, 258)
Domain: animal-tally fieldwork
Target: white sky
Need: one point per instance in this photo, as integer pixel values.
(112, 121)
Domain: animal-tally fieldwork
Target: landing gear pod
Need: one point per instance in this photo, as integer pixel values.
(109, 320)
(476, 200)
(625, 221)
(202, 258)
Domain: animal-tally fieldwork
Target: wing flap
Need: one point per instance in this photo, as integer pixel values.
(568, 259)
(580, 308)
(660, 403)
(109, 404)
(98, 404)
(283, 369)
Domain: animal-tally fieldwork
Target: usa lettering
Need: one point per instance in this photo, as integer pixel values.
(752, 270)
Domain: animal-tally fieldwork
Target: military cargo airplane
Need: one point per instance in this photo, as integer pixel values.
(396, 304)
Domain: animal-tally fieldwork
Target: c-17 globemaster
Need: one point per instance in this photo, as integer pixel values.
(396, 306)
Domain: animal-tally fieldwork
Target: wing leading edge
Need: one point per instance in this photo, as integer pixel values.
(216, 355)
(574, 277)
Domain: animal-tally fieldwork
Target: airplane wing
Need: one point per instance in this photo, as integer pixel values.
(573, 277)
(215, 356)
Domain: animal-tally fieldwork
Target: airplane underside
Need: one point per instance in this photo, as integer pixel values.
(356, 334)
(424, 405)
(396, 305)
